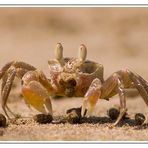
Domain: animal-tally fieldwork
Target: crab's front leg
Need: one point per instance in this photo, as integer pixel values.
(109, 88)
(91, 97)
(37, 90)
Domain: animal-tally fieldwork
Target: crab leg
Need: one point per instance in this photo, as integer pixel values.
(10, 111)
(141, 85)
(121, 92)
(5, 68)
(7, 74)
(6, 89)
(110, 87)
(115, 84)
(143, 82)
(4, 81)
(16, 65)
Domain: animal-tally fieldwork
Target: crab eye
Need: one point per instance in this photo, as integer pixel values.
(72, 82)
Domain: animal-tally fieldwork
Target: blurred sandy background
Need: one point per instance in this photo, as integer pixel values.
(115, 37)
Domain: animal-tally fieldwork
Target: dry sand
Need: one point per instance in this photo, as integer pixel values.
(115, 37)
(94, 128)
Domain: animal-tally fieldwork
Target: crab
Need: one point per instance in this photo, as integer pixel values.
(69, 77)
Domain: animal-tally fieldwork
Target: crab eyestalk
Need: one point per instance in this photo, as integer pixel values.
(59, 53)
(82, 53)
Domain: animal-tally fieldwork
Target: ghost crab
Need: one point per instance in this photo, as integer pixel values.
(69, 77)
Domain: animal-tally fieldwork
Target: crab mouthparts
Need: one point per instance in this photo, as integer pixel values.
(69, 92)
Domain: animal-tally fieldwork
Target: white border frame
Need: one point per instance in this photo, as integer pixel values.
(78, 2)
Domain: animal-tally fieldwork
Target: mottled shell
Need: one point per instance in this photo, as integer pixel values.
(81, 70)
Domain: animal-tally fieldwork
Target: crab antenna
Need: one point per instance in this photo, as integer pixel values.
(82, 53)
(59, 52)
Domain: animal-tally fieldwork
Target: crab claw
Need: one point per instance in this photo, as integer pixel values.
(87, 107)
(36, 95)
(83, 109)
(91, 98)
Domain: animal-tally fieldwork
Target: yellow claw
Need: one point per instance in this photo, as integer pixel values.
(91, 98)
(87, 108)
(38, 97)
(35, 100)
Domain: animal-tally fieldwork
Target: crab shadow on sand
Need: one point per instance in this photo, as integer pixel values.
(93, 120)
(107, 120)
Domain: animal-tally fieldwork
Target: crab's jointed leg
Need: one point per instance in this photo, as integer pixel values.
(35, 86)
(115, 84)
(7, 74)
(141, 85)
(6, 89)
